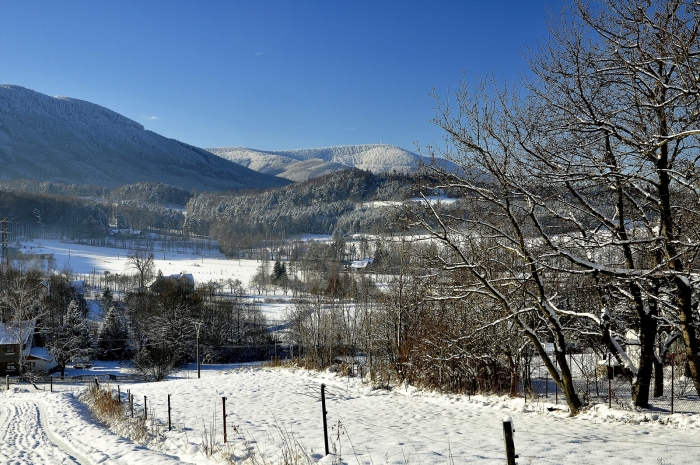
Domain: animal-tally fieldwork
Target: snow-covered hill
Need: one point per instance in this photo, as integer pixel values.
(302, 164)
(73, 141)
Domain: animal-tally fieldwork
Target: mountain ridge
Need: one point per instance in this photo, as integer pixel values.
(302, 164)
(69, 140)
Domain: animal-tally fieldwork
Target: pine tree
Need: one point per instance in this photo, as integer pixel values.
(113, 338)
(72, 338)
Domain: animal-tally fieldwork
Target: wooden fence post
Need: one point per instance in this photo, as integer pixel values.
(145, 409)
(508, 440)
(325, 424)
(611, 373)
(673, 375)
(51, 381)
(169, 423)
(7, 382)
(223, 402)
(119, 394)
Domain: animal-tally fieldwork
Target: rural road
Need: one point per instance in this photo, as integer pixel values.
(26, 438)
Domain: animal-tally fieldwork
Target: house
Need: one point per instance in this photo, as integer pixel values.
(15, 345)
(361, 265)
(180, 282)
(40, 360)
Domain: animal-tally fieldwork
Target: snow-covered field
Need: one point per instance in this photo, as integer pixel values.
(268, 406)
(85, 260)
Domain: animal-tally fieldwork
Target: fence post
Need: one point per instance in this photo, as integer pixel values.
(556, 386)
(223, 403)
(508, 440)
(673, 375)
(145, 409)
(325, 424)
(119, 395)
(96, 383)
(523, 381)
(610, 376)
(169, 423)
(51, 381)
(131, 404)
(7, 382)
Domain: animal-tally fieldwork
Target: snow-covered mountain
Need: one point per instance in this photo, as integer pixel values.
(73, 141)
(300, 165)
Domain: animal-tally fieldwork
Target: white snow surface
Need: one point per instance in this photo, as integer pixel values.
(86, 259)
(398, 426)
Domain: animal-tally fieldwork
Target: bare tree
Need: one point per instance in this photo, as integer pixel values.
(142, 261)
(589, 170)
(21, 297)
(620, 91)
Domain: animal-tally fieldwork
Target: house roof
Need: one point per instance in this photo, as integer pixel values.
(40, 353)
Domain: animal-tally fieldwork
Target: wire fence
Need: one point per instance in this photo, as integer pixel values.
(600, 380)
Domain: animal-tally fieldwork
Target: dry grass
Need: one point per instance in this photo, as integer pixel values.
(108, 410)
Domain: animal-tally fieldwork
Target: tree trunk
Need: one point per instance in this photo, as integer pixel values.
(647, 333)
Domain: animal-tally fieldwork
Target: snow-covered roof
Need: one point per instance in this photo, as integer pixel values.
(361, 263)
(183, 276)
(40, 353)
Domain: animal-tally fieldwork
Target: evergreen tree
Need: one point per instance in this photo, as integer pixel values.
(113, 338)
(72, 339)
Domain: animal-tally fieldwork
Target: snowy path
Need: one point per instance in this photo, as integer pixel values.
(38, 427)
(27, 440)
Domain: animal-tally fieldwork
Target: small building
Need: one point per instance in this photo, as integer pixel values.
(15, 344)
(183, 282)
(361, 265)
(40, 360)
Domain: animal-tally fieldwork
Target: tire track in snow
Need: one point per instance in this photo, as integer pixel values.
(26, 439)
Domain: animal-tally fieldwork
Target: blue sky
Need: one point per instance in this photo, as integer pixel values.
(269, 75)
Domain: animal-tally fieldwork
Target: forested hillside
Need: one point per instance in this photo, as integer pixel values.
(332, 204)
(340, 203)
(35, 210)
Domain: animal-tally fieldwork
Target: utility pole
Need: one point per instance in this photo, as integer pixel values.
(198, 325)
(4, 241)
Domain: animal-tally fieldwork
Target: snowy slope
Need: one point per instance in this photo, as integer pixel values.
(293, 164)
(266, 407)
(68, 140)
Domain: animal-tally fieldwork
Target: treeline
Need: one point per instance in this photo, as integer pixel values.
(335, 204)
(60, 213)
(326, 205)
(157, 330)
(149, 193)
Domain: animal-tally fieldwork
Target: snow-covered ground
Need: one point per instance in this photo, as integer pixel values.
(85, 260)
(268, 406)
